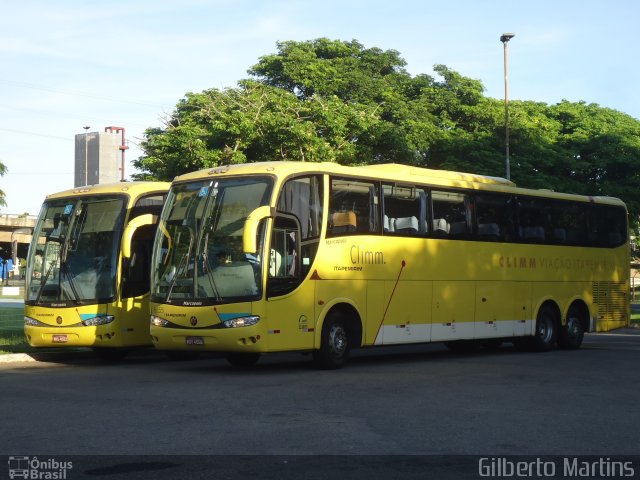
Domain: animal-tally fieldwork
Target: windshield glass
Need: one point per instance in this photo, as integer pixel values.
(74, 251)
(198, 250)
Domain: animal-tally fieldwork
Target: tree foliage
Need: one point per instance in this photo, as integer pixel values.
(337, 101)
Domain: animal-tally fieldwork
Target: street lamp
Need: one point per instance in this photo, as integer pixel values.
(504, 38)
(86, 155)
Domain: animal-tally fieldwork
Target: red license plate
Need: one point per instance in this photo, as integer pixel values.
(61, 338)
(195, 340)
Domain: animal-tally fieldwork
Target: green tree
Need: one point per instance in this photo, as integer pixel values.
(251, 123)
(331, 100)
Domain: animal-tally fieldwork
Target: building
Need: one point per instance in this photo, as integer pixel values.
(99, 157)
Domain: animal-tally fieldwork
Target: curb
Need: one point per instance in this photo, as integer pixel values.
(44, 357)
(17, 358)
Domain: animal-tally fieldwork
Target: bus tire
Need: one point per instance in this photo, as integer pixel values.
(243, 360)
(334, 344)
(572, 333)
(546, 332)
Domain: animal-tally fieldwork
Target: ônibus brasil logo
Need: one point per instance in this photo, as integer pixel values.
(38, 469)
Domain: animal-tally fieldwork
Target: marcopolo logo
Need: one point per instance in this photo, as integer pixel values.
(38, 469)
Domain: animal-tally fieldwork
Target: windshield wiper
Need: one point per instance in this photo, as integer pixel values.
(182, 264)
(44, 282)
(209, 270)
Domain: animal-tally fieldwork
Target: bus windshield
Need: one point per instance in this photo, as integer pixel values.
(74, 259)
(198, 250)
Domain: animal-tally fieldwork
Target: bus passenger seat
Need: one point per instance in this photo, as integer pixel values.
(389, 224)
(343, 222)
(440, 227)
(407, 225)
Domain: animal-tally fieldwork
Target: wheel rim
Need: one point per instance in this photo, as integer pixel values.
(545, 329)
(337, 340)
(573, 327)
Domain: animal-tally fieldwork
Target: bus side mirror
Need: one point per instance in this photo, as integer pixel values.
(132, 226)
(250, 231)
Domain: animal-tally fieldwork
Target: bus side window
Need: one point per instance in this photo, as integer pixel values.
(353, 207)
(608, 226)
(493, 214)
(531, 221)
(404, 210)
(450, 214)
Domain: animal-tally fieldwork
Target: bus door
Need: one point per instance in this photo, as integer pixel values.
(290, 301)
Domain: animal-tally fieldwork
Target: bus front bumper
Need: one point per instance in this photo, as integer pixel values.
(102, 336)
(246, 339)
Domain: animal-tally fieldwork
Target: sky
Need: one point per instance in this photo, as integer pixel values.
(69, 64)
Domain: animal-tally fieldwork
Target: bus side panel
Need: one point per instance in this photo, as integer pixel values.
(453, 310)
(503, 309)
(406, 313)
(133, 318)
(376, 303)
(290, 319)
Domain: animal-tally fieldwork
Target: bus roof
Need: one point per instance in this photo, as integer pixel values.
(394, 172)
(134, 189)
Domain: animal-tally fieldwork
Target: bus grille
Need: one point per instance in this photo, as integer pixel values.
(612, 301)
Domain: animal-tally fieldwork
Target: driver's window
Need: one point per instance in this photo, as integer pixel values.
(284, 256)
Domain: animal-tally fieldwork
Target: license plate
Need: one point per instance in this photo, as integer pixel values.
(195, 341)
(61, 338)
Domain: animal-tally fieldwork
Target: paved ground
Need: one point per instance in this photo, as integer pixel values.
(391, 401)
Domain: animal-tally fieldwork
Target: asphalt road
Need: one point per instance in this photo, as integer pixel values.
(417, 401)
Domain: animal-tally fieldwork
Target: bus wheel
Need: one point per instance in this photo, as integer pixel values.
(334, 344)
(243, 360)
(572, 334)
(546, 332)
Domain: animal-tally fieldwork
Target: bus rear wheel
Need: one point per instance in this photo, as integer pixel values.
(334, 344)
(572, 334)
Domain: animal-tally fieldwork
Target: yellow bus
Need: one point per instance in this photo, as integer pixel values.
(322, 258)
(87, 275)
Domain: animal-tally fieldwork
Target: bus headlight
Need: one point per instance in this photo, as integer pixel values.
(158, 322)
(32, 322)
(241, 321)
(99, 320)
